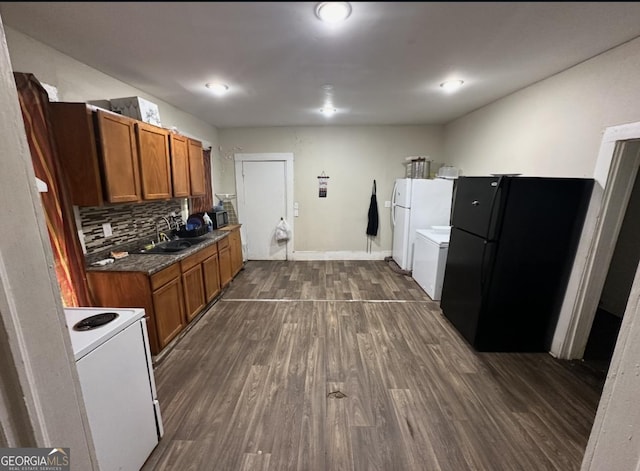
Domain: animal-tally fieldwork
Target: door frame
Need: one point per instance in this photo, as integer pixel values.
(287, 158)
(615, 172)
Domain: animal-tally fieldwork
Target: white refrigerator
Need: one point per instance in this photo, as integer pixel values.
(417, 204)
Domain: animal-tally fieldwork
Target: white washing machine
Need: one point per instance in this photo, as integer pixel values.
(429, 259)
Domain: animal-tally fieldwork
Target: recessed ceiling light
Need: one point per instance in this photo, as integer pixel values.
(451, 85)
(333, 12)
(328, 111)
(218, 88)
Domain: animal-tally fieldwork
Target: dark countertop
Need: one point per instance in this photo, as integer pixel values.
(153, 263)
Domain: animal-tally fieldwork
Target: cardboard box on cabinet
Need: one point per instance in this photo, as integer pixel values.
(137, 108)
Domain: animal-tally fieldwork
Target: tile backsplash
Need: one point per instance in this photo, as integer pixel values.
(128, 222)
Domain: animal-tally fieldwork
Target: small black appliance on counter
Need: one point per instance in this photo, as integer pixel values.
(513, 242)
(219, 218)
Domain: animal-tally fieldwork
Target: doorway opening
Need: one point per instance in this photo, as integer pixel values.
(617, 286)
(615, 175)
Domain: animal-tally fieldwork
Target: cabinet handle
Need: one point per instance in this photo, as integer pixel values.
(475, 203)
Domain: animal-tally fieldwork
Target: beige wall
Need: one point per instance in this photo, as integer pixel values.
(77, 82)
(552, 128)
(352, 156)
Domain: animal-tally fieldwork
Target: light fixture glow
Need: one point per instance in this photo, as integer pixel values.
(451, 85)
(218, 88)
(333, 12)
(328, 111)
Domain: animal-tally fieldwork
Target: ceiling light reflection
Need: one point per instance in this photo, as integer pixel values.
(451, 85)
(333, 12)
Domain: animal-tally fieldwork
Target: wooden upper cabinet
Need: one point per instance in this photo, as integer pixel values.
(196, 168)
(117, 138)
(110, 158)
(180, 165)
(98, 154)
(73, 131)
(155, 167)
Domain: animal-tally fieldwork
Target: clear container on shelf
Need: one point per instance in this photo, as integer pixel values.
(418, 167)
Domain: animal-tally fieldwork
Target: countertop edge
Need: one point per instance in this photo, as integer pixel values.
(153, 263)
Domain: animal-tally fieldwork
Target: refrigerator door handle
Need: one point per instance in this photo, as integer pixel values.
(493, 207)
(483, 270)
(393, 204)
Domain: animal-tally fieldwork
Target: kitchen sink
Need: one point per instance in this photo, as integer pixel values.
(171, 247)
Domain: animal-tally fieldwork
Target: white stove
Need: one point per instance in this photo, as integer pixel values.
(85, 341)
(111, 349)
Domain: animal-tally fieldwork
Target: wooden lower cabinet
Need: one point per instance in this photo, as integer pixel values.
(234, 245)
(160, 295)
(194, 277)
(235, 249)
(224, 256)
(169, 315)
(194, 300)
(171, 297)
(211, 272)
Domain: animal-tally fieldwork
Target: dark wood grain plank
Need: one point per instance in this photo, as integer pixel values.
(246, 387)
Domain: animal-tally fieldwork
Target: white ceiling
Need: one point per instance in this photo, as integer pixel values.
(385, 62)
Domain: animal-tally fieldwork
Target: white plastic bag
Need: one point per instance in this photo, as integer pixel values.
(282, 231)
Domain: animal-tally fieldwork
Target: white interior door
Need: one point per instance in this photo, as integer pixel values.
(264, 196)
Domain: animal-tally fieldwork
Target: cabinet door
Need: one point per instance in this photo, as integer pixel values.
(75, 138)
(196, 168)
(155, 169)
(179, 165)
(225, 266)
(194, 299)
(235, 249)
(119, 157)
(169, 313)
(211, 273)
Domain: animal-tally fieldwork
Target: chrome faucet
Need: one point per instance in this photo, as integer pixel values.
(162, 234)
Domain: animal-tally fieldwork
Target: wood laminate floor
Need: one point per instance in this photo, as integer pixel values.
(350, 366)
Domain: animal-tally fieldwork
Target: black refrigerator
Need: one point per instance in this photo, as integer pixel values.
(513, 241)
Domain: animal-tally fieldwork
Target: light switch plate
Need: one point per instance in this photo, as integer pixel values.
(106, 229)
(387, 204)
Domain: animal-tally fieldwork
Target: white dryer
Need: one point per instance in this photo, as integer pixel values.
(429, 259)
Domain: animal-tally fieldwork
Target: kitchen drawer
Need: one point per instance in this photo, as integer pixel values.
(162, 277)
(223, 243)
(198, 257)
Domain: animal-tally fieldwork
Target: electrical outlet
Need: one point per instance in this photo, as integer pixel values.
(106, 229)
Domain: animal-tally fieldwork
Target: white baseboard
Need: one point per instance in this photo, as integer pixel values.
(340, 255)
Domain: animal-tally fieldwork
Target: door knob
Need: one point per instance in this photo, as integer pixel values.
(475, 203)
